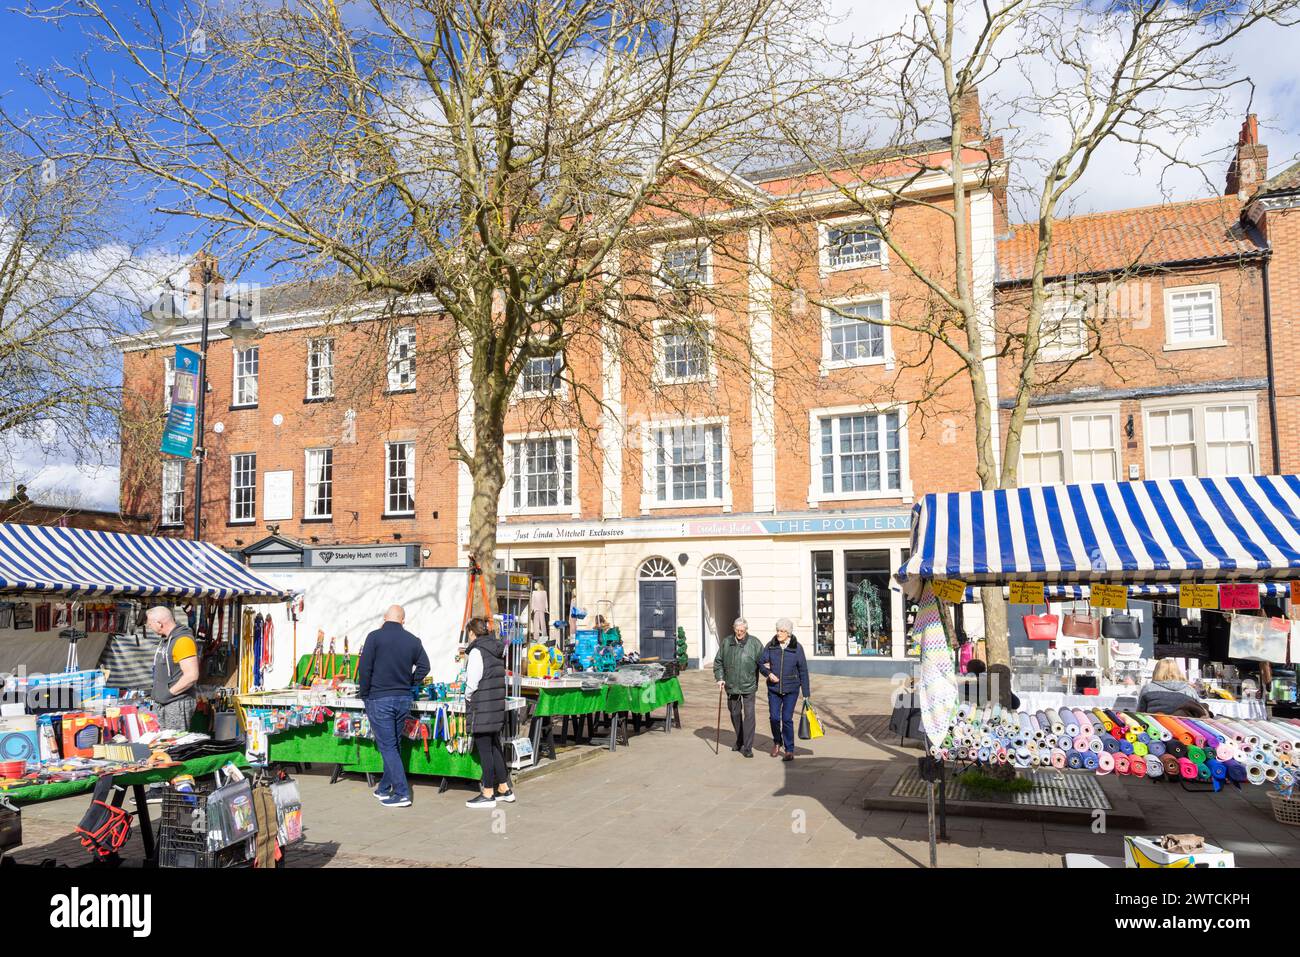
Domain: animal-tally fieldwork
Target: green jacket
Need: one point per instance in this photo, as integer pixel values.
(738, 664)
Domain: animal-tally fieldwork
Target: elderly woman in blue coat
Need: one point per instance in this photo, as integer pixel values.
(784, 667)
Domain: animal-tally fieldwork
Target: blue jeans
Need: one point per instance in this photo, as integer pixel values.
(388, 723)
(780, 711)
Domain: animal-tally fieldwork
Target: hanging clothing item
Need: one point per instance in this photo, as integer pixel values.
(539, 606)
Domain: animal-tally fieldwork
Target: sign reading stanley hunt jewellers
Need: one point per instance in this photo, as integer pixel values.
(361, 556)
(512, 534)
(178, 432)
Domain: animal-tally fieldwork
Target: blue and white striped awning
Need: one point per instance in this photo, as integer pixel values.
(1162, 530)
(1063, 593)
(77, 562)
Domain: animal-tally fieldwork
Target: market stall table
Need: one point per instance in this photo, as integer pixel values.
(1250, 709)
(575, 697)
(318, 744)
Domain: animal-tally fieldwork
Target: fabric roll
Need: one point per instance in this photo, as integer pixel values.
(1171, 766)
(1096, 745)
(982, 755)
(1237, 772)
(1203, 773)
(1090, 761)
(1196, 754)
(1110, 745)
(1121, 764)
(1179, 733)
(1176, 748)
(1071, 723)
(1187, 769)
(1155, 769)
(1139, 749)
(1105, 763)
(1254, 774)
(1074, 760)
(1226, 751)
(1054, 717)
(1103, 719)
(1058, 759)
(1081, 742)
(1217, 769)
(1126, 746)
(1137, 766)
(1156, 749)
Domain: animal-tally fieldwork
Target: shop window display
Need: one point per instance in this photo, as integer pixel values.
(867, 602)
(823, 590)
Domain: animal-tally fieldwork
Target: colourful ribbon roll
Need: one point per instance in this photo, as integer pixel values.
(1187, 769)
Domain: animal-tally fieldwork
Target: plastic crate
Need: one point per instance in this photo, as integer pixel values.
(183, 834)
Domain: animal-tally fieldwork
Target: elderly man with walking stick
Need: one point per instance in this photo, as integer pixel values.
(736, 669)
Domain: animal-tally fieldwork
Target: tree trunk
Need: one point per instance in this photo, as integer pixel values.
(487, 472)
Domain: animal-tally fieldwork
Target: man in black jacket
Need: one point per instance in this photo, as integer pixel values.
(391, 662)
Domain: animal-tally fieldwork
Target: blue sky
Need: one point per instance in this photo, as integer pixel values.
(1115, 180)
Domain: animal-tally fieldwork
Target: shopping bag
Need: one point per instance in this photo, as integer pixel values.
(810, 728)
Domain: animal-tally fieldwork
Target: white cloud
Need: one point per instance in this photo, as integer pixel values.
(57, 476)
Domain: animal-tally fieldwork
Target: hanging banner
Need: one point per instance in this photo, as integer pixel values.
(1027, 593)
(1109, 596)
(182, 422)
(1198, 596)
(1237, 597)
(950, 590)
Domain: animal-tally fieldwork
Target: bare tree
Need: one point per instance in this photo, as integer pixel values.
(503, 166)
(1146, 74)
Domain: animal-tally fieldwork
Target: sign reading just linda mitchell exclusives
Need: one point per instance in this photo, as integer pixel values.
(362, 556)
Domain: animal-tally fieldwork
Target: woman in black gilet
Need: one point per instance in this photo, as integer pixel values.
(485, 711)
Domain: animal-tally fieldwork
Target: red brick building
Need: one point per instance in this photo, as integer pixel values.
(682, 489)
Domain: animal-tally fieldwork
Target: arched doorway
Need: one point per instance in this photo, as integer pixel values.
(657, 587)
(719, 602)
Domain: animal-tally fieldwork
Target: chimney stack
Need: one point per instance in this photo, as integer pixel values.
(1249, 166)
(972, 120)
(202, 269)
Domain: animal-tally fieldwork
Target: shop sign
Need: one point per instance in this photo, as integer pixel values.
(361, 556)
(1198, 596)
(1108, 596)
(1239, 596)
(1027, 593)
(511, 534)
(277, 496)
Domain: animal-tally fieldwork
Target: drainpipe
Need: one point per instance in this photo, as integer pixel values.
(1272, 381)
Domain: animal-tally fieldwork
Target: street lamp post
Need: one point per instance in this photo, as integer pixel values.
(164, 315)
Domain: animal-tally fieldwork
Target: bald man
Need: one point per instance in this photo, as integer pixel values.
(392, 660)
(175, 670)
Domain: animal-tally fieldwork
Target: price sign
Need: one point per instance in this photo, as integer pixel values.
(1198, 596)
(1027, 593)
(1109, 596)
(1232, 597)
(1295, 593)
(950, 590)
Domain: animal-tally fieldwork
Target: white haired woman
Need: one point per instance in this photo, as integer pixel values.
(785, 667)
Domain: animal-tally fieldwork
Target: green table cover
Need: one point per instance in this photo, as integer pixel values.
(196, 766)
(318, 744)
(557, 702)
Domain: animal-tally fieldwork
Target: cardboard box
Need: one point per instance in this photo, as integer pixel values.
(1147, 852)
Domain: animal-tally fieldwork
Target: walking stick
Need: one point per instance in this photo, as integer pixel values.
(717, 742)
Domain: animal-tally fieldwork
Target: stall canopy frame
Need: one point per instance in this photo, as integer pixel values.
(83, 563)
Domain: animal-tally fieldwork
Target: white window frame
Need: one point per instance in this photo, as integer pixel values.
(239, 399)
(177, 492)
(1066, 413)
(513, 441)
(312, 391)
(824, 227)
(1199, 403)
(886, 358)
(394, 378)
(815, 494)
(1171, 344)
(410, 477)
(702, 325)
(169, 380)
(1074, 307)
(310, 485)
(234, 472)
(561, 391)
(648, 455)
(657, 251)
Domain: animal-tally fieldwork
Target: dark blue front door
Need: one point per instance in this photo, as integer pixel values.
(659, 618)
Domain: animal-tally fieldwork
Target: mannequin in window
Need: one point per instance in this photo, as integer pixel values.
(539, 608)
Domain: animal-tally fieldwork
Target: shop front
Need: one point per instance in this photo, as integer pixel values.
(829, 572)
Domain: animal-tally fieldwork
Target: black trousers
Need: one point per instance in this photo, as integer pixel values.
(492, 759)
(741, 707)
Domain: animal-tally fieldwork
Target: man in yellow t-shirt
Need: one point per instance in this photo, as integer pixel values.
(175, 670)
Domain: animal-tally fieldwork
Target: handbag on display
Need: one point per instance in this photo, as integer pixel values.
(1041, 627)
(1081, 626)
(1121, 627)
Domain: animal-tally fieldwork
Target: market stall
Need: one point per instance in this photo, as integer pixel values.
(1186, 532)
(64, 732)
(591, 694)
